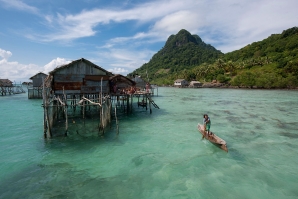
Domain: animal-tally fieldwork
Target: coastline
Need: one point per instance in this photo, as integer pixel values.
(227, 86)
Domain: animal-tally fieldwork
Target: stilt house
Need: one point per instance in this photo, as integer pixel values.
(35, 92)
(78, 85)
(120, 84)
(6, 87)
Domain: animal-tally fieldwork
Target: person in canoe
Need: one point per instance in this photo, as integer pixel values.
(207, 125)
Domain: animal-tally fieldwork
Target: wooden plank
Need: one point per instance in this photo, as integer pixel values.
(59, 92)
(68, 78)
(96, 83)
(68, 85)
(94, 89)
(97, 77)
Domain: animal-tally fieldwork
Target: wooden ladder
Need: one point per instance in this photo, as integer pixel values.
(152, 102)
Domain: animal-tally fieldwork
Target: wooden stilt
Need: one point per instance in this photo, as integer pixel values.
(117, 124)
(131, 96)
(84, 110)
(102, 113)
(46, 115)
(65, 111)
(138, 100)
(127, 103)
(150, 106)
(146, 102)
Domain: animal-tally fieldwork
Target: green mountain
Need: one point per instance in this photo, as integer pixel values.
(270, 63)
(182, 51)
(281, 48)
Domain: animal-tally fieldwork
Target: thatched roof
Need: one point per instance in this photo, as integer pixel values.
(139, 81)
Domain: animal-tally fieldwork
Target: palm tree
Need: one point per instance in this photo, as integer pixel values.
(230, 67)
(220, 64)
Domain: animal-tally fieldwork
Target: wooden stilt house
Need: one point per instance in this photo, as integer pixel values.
(122, 89)
(121, 84)
(35, 92)
(143, 86)
(6, 87)
(74, 92)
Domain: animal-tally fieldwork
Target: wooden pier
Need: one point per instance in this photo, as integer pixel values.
(8, 88)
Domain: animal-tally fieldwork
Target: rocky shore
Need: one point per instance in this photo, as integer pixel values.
(222, 85)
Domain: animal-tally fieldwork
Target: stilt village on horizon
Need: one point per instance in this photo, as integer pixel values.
(82, 91)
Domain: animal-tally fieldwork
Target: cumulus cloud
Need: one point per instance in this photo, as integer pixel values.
(16, 71)
(55, 63)
(5, 54)
(13, 70)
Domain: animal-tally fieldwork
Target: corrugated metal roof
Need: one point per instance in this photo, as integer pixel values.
(179, 80)
(5, 82)
(79, 60)
(120, 79)
(40, 73)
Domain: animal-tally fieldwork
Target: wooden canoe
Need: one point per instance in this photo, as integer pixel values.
(214, 139)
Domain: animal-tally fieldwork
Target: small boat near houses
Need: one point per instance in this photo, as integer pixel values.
(214, 139)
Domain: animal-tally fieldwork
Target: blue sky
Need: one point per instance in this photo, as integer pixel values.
(120, 36)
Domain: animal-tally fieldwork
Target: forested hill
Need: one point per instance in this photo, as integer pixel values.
(270, 63)
(181, 51)
(279, 48)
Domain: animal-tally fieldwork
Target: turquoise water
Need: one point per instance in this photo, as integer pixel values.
(158, 155)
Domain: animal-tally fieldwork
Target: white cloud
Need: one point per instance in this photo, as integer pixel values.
(118, 71)
(122, 61)
(5, 54)
(227, 24)
(14, 70)
(55, 63)
(174, 22)
(19, 5)
(74, 26)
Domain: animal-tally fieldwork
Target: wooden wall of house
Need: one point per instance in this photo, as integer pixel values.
(37, 80)
(80, 78)
(35, 93)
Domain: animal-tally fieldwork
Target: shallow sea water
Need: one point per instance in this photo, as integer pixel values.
(158, 155)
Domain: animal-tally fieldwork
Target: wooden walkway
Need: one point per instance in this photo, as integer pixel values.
(11, 90)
